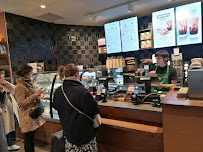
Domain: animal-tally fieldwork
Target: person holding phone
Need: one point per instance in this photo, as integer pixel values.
(166, 74)
(28, 99)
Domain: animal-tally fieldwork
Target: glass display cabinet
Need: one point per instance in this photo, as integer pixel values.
(49, 82)
(45, 81)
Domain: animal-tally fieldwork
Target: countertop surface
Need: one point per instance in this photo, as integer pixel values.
(118, 104)
(171, 99)
(129, 105)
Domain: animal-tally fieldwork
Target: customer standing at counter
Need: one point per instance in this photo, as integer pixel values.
(167, 75)
(79, 131)
(27, 99)
(3, 143)
(10, 114)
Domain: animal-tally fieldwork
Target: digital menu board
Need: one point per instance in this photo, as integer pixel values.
(113, 37)
(164, 28)
(129, 34)
(189, 24)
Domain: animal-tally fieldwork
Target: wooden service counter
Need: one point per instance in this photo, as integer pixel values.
(125, 128)
(129, 128)
(182, 124)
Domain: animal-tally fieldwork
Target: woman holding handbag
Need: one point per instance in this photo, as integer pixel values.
(76, 109)
(27, 99)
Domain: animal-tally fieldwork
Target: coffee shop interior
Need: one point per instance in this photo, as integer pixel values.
(113, 43)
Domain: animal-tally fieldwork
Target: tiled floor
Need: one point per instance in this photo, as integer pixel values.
(39, 146)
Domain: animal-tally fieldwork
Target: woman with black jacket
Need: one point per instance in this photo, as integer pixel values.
(79, 131)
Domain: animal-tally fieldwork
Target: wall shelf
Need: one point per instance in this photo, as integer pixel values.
(146, 48)
(4, 42)
(145, 30)
(4, 54)
(4, 66)
(146, 39)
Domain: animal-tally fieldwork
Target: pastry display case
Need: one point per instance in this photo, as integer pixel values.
(49, 85)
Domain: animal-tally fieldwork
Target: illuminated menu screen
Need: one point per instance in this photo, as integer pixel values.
(113, 38)
(129, 34)
(189, 24)
(164, 28)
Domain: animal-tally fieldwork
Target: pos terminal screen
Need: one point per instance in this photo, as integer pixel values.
(103, 90)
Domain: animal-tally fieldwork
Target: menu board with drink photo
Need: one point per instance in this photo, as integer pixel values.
(189, 24)
(164, 28)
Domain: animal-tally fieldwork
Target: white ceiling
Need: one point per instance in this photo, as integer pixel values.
(75, 11)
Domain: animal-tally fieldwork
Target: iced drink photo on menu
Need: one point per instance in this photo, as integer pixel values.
(182, 27)
(193, 25)
(169, 25)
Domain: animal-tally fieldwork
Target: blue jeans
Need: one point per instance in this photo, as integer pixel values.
(3, 144)
(11, 136)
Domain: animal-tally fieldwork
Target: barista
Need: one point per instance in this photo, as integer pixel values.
(166, 74)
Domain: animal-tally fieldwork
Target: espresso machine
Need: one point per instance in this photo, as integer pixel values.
(195, 79)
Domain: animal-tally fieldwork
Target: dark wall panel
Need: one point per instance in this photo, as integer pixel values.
(36, 41)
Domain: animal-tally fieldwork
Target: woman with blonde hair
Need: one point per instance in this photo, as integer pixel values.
(78, 129)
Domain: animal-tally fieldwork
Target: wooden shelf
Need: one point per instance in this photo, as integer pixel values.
(4, 66)
(3, 54)
(3, 42)
(146, 39)
(146, 48)
(145, 30)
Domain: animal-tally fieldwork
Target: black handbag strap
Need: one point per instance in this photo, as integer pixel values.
(74, 106)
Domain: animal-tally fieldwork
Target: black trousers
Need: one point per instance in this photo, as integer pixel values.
(29, 141)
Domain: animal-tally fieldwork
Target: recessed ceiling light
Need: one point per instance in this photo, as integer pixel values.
(43, 6)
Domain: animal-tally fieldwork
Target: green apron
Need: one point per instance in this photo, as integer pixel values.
(163, 78)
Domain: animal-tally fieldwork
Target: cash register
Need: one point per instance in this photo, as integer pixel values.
(195, 79)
